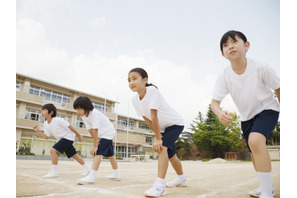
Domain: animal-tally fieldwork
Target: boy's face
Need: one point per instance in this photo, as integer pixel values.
(136, 82)
(235, 49)
(45, 114)
(80, 112)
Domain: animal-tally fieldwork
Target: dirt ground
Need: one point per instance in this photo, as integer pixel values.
(205, 179)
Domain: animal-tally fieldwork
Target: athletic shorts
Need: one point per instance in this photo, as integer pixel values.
(66, 146)
(263, 123)
(105, 148)
(170, 135)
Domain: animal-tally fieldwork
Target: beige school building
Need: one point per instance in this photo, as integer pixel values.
(133, 135)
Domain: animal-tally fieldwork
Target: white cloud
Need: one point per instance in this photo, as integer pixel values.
(98, 22)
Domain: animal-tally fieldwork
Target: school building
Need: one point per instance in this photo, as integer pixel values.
(133, 136)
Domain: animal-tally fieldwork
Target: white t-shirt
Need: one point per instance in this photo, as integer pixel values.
(59, 129)
(97, 120)
(153, 99)
(250, 91)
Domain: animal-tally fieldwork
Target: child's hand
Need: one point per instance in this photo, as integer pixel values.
(93, 151)
(157, 146)
(80, 138)
(36, 128)
(225, 118)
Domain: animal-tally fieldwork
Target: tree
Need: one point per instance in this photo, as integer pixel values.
(215, 138)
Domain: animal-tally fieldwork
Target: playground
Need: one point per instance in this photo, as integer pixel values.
(215, 178)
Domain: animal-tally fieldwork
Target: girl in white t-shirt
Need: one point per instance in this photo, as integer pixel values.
(65, 134)
(165, 122)
(98, 125)
(250, 84)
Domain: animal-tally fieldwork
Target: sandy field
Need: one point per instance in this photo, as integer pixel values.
(217, 178)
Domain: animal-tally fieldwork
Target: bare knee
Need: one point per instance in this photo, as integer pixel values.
(53, 151)
(256, 141)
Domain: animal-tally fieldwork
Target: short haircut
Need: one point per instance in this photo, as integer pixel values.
(84, 103)
(50, 108)
(232, 34)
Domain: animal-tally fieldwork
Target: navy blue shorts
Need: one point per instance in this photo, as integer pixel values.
(66, 146)
(170, 135)
(263, 123)
(105, 148)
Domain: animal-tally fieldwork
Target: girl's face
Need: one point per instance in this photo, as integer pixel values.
(235, 49)
(136, 82)
(80, 112)
(45, 114)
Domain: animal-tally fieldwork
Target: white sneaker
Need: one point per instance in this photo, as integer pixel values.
(86, 171)
(116, 177)
(176, 183)
(156, 190)
(86, 180)
(51, 174)
(257, 192)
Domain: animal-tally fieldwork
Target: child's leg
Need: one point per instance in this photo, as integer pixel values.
(96, 162)
(162, 162)
(78, 159)
(54, 156)
(261, 158)
(113, 162)
(176, 164)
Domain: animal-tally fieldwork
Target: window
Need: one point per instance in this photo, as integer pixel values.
(17, 86)
(148, 140)
(99, 107)
(34, 115)
(80, 123)
(124, 123)
(144, 126)
(48, 95)
(122, 151)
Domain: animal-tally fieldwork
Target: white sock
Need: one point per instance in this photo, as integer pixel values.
(93, 173)
(116, 171)
(55, 168)
(182, 177)
(86, 166)
(265, 179)
(160, 180)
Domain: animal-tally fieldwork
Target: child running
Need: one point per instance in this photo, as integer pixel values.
(65, 134)
(250, 84)
(97, 124)
(165, 122)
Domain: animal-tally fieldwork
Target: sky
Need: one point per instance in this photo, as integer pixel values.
(92, 45)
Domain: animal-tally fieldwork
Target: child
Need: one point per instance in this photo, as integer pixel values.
(249, 83)
(165, 122)
(65, 134)
(97, 124)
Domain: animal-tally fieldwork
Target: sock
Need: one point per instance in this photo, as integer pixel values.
(55, 168)
(160, 180)
(116, 171)
(93, 173)
(182, 177)
(265, 179)
(86, 166)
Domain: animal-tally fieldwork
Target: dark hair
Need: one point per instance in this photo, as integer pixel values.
(143, 74)
(50, 108)
(84, 103)
(232, 34)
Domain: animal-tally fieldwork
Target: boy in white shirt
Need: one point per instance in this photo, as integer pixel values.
(250, 84)
(65, 134)
(98, 125)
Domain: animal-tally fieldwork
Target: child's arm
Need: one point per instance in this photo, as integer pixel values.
(95, 138)
(80, 137)
(154, 125)
(91, 132)
(224, 116)
(36, 129)
(277, 91)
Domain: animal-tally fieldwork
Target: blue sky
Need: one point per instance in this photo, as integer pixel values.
(91, 45)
